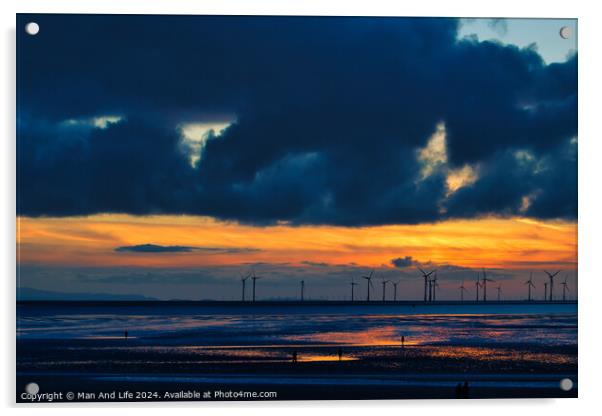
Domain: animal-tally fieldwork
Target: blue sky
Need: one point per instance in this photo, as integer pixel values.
(524, 32)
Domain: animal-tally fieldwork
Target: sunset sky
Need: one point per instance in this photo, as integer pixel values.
(166, 163)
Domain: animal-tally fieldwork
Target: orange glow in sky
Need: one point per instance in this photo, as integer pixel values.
(515, 243)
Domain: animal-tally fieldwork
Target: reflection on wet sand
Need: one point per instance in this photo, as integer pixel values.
(322, 357)
(356, 344)
(371, 337)
(497, 354)
(304, 352)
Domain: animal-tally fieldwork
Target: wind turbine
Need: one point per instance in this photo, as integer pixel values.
(369, 279)
(551, 276)
(353, 284)
(462, 290)
(477, 286)
(426, 279)
(485, 280)
(254, 278)
(430, 290)
(395, 289)
(244, 283)
(530, 285)
(545, 286)
(435, 287)
(302, 289)
(384, 283)
(565, 289)
(499, 292)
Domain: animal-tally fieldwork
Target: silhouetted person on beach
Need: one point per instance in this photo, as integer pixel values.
(459, 391)
(403, 341)
(465, 390)
(294, 356)
(340, 352)
(125, 335)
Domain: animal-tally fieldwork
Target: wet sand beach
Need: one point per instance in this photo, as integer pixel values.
(338, 356)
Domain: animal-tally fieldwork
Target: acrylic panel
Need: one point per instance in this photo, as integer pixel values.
(287, 207)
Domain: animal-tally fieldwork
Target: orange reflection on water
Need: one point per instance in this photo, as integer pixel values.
(233, 355)
(274, 352)
(496, 354)
(371, 337)
(323, 357)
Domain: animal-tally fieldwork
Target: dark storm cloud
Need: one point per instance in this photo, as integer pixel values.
(403, 262)
(153, 248)
(549, 183)
(329, 114)
(315, 264)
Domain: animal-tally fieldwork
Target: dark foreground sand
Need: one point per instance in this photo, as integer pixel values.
(301, 391)
(170, 373)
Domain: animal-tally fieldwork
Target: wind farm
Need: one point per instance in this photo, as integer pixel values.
(438, 290)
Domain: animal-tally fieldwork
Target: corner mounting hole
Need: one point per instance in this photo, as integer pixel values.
(566, 384)
(32, 388)
(32, 28)
(565, 32)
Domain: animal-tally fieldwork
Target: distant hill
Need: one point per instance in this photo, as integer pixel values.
(27, 293)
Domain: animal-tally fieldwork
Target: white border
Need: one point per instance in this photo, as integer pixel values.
(589, 190)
